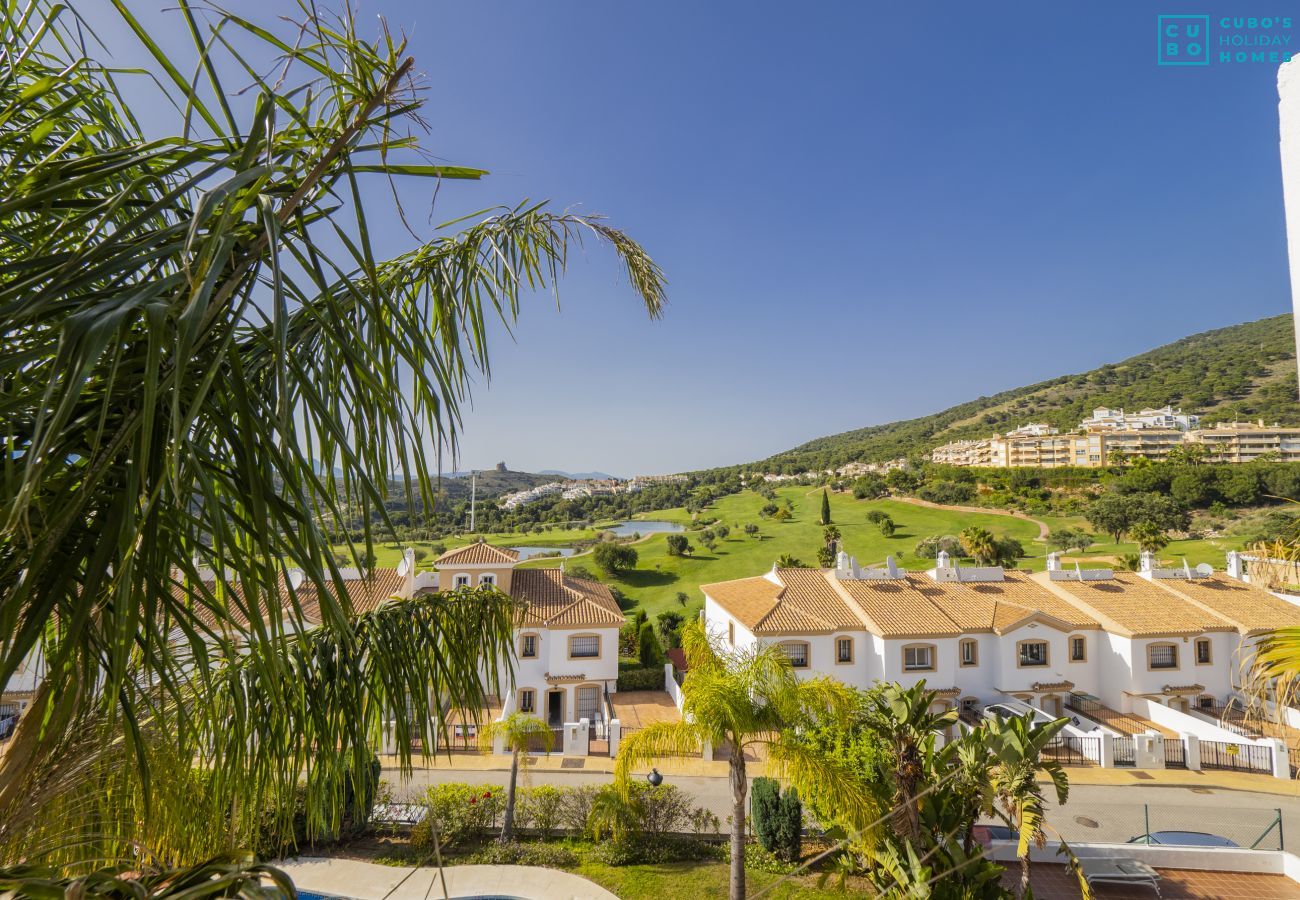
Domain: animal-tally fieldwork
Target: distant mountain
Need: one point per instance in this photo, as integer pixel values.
(579, 476)
(1244, 372)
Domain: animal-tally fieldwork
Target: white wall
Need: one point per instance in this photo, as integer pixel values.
(1012, 678)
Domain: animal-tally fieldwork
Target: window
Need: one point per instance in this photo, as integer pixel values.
(588, 702)
(844, 650)
(797, 653)
(918, 658)
(731, 632)
(1203, 657)
(528, 647)
(487, 579)
(584, 647)
(1078, 648)
(970, 655)
(462, 581)
(1032, 653)
(528, 700)
(1162, 656)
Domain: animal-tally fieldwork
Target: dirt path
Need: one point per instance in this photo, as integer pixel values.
(1015, 514)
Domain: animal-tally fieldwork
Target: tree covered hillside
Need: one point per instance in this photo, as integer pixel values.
(1245, 372)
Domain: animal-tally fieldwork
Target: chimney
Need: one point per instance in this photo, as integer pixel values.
(407, 570)
(941, 561)
(1146, 563)
(843, 566)
(1053, 562)
(1236, 566)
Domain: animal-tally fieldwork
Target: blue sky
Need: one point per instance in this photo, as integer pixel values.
(866, 212)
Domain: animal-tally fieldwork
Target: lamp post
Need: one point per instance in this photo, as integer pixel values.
(654, 778)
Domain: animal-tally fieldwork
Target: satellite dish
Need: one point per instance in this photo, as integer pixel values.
(1205, 570)
(402, 568)
(295, 579)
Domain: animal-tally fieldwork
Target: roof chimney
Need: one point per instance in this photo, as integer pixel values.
(1053, 562)
(1146, 563)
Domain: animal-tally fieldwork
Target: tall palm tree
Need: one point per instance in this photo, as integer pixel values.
(206, 358)
(1017, 746)
(745, 699)
(517, 731)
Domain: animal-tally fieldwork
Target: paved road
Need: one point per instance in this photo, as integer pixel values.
(1094, 812)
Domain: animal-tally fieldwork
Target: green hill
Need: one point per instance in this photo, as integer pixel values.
(1245, 372)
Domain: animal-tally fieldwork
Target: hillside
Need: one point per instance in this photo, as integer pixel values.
(1245, 371)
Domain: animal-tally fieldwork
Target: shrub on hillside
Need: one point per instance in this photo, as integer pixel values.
(930, 547)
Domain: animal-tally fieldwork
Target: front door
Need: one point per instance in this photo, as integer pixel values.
(555, 708)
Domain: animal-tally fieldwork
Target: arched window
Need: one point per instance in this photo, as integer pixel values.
(843, 650)
(487, 578)
(462, 580)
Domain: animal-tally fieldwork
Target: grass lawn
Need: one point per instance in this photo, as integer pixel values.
(658, 577)
(1210, 550)
(694, 879)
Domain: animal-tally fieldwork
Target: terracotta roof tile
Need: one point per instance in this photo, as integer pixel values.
(901, 607)
(1130, 605)
(480, 553)
(804, 603)
(558, 600)
(1249, 608)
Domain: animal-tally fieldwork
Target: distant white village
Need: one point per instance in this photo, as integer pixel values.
(574, 489)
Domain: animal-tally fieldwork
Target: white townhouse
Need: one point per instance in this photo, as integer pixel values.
(984, 634)
(566, 646)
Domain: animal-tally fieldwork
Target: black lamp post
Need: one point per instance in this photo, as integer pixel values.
(654, 778)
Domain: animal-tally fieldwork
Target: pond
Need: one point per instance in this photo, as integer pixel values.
(644, 526)
(528, 552)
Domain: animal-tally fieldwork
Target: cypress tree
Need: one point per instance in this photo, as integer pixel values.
(826, 508)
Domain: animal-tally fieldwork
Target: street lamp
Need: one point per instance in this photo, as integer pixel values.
(654, 778)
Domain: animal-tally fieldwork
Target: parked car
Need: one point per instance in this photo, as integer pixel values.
(1183, 839)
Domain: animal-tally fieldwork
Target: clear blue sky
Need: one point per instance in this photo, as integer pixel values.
(866, 212)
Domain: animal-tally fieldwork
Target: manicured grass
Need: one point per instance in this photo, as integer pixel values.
(658, 577)
(695, 879)
(1210, 550)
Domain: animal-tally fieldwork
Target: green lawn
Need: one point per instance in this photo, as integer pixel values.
(659, 577)
(1212, 550)
(695, 879)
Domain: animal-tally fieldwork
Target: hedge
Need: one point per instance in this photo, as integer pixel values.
(651, 679)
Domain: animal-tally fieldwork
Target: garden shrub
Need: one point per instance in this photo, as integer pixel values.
(760, 859)
(575, 807)
(777, 818)
(657, 851)
(275, 836)
(539, 808)
(461, 812)
(641, 679)
(554, 856)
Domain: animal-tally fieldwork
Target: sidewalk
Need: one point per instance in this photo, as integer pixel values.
(1208, 780)
(487, 762)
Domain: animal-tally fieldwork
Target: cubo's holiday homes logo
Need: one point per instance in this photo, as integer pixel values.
(1229, 40)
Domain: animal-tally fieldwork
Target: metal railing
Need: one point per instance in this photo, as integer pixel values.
(537, 743)
(1236, 757)
(1125, 752)
(1069, 750)
(1084, 703)
(1175, 753)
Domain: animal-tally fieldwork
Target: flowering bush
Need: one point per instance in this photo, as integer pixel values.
(460, 812)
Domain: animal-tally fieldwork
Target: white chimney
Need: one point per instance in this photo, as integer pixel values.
(1236, 566)
(941, 561)
(1146, 563)
(1053, 562)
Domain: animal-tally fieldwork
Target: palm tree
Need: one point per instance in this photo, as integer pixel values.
(906, 720)
(751, 698)
(980, 545)
(1017, 745)
(517, 732)
(207, 357)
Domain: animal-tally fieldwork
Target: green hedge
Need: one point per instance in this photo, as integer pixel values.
(651, 679)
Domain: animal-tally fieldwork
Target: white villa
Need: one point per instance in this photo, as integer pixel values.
(1111, 644)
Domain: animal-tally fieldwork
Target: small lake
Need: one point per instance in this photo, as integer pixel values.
(528, 552)
(644, 526)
